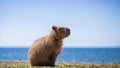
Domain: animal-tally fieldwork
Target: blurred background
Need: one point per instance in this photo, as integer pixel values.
(93, 23)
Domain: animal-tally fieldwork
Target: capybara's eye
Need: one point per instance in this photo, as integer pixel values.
(61, 29)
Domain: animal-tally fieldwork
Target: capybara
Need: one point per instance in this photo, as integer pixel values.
(44, 51)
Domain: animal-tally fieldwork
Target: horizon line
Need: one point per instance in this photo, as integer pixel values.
(118, 46)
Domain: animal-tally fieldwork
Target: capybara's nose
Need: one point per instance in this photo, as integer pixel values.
(68, 30)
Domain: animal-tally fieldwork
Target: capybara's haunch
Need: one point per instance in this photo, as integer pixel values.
(44, 51)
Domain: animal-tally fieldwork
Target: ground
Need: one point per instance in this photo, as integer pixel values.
(58, 65)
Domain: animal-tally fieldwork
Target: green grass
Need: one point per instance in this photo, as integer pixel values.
(58, 65)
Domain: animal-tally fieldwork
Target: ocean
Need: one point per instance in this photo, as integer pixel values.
(82, 55)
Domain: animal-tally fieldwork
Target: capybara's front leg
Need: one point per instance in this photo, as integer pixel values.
(52, 59)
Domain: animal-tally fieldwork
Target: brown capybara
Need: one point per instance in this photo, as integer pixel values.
(44, 51)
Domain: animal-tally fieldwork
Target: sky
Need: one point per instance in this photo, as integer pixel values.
(93, 23)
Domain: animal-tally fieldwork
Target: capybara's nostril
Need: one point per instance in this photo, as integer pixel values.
(68, 30)
(69, 33)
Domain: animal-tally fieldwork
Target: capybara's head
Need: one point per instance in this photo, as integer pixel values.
(61, 32)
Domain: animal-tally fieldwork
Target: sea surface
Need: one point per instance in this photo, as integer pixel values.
(82, 55)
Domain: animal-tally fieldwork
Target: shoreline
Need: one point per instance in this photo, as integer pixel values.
(58, 65)
(17, 61)
(62, 62)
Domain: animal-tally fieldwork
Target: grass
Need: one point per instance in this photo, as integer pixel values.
(58, 65)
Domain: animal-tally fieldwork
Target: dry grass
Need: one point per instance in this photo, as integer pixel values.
(58, 65)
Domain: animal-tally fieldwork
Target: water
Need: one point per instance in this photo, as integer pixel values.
(83, 55)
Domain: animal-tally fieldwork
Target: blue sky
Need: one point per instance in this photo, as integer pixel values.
(93, 23)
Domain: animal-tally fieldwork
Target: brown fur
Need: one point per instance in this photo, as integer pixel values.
(44, 51)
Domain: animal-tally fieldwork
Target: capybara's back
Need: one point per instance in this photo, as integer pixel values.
(37, 53)
(44, 51)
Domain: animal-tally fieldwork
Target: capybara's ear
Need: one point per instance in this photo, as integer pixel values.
(54, 27)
